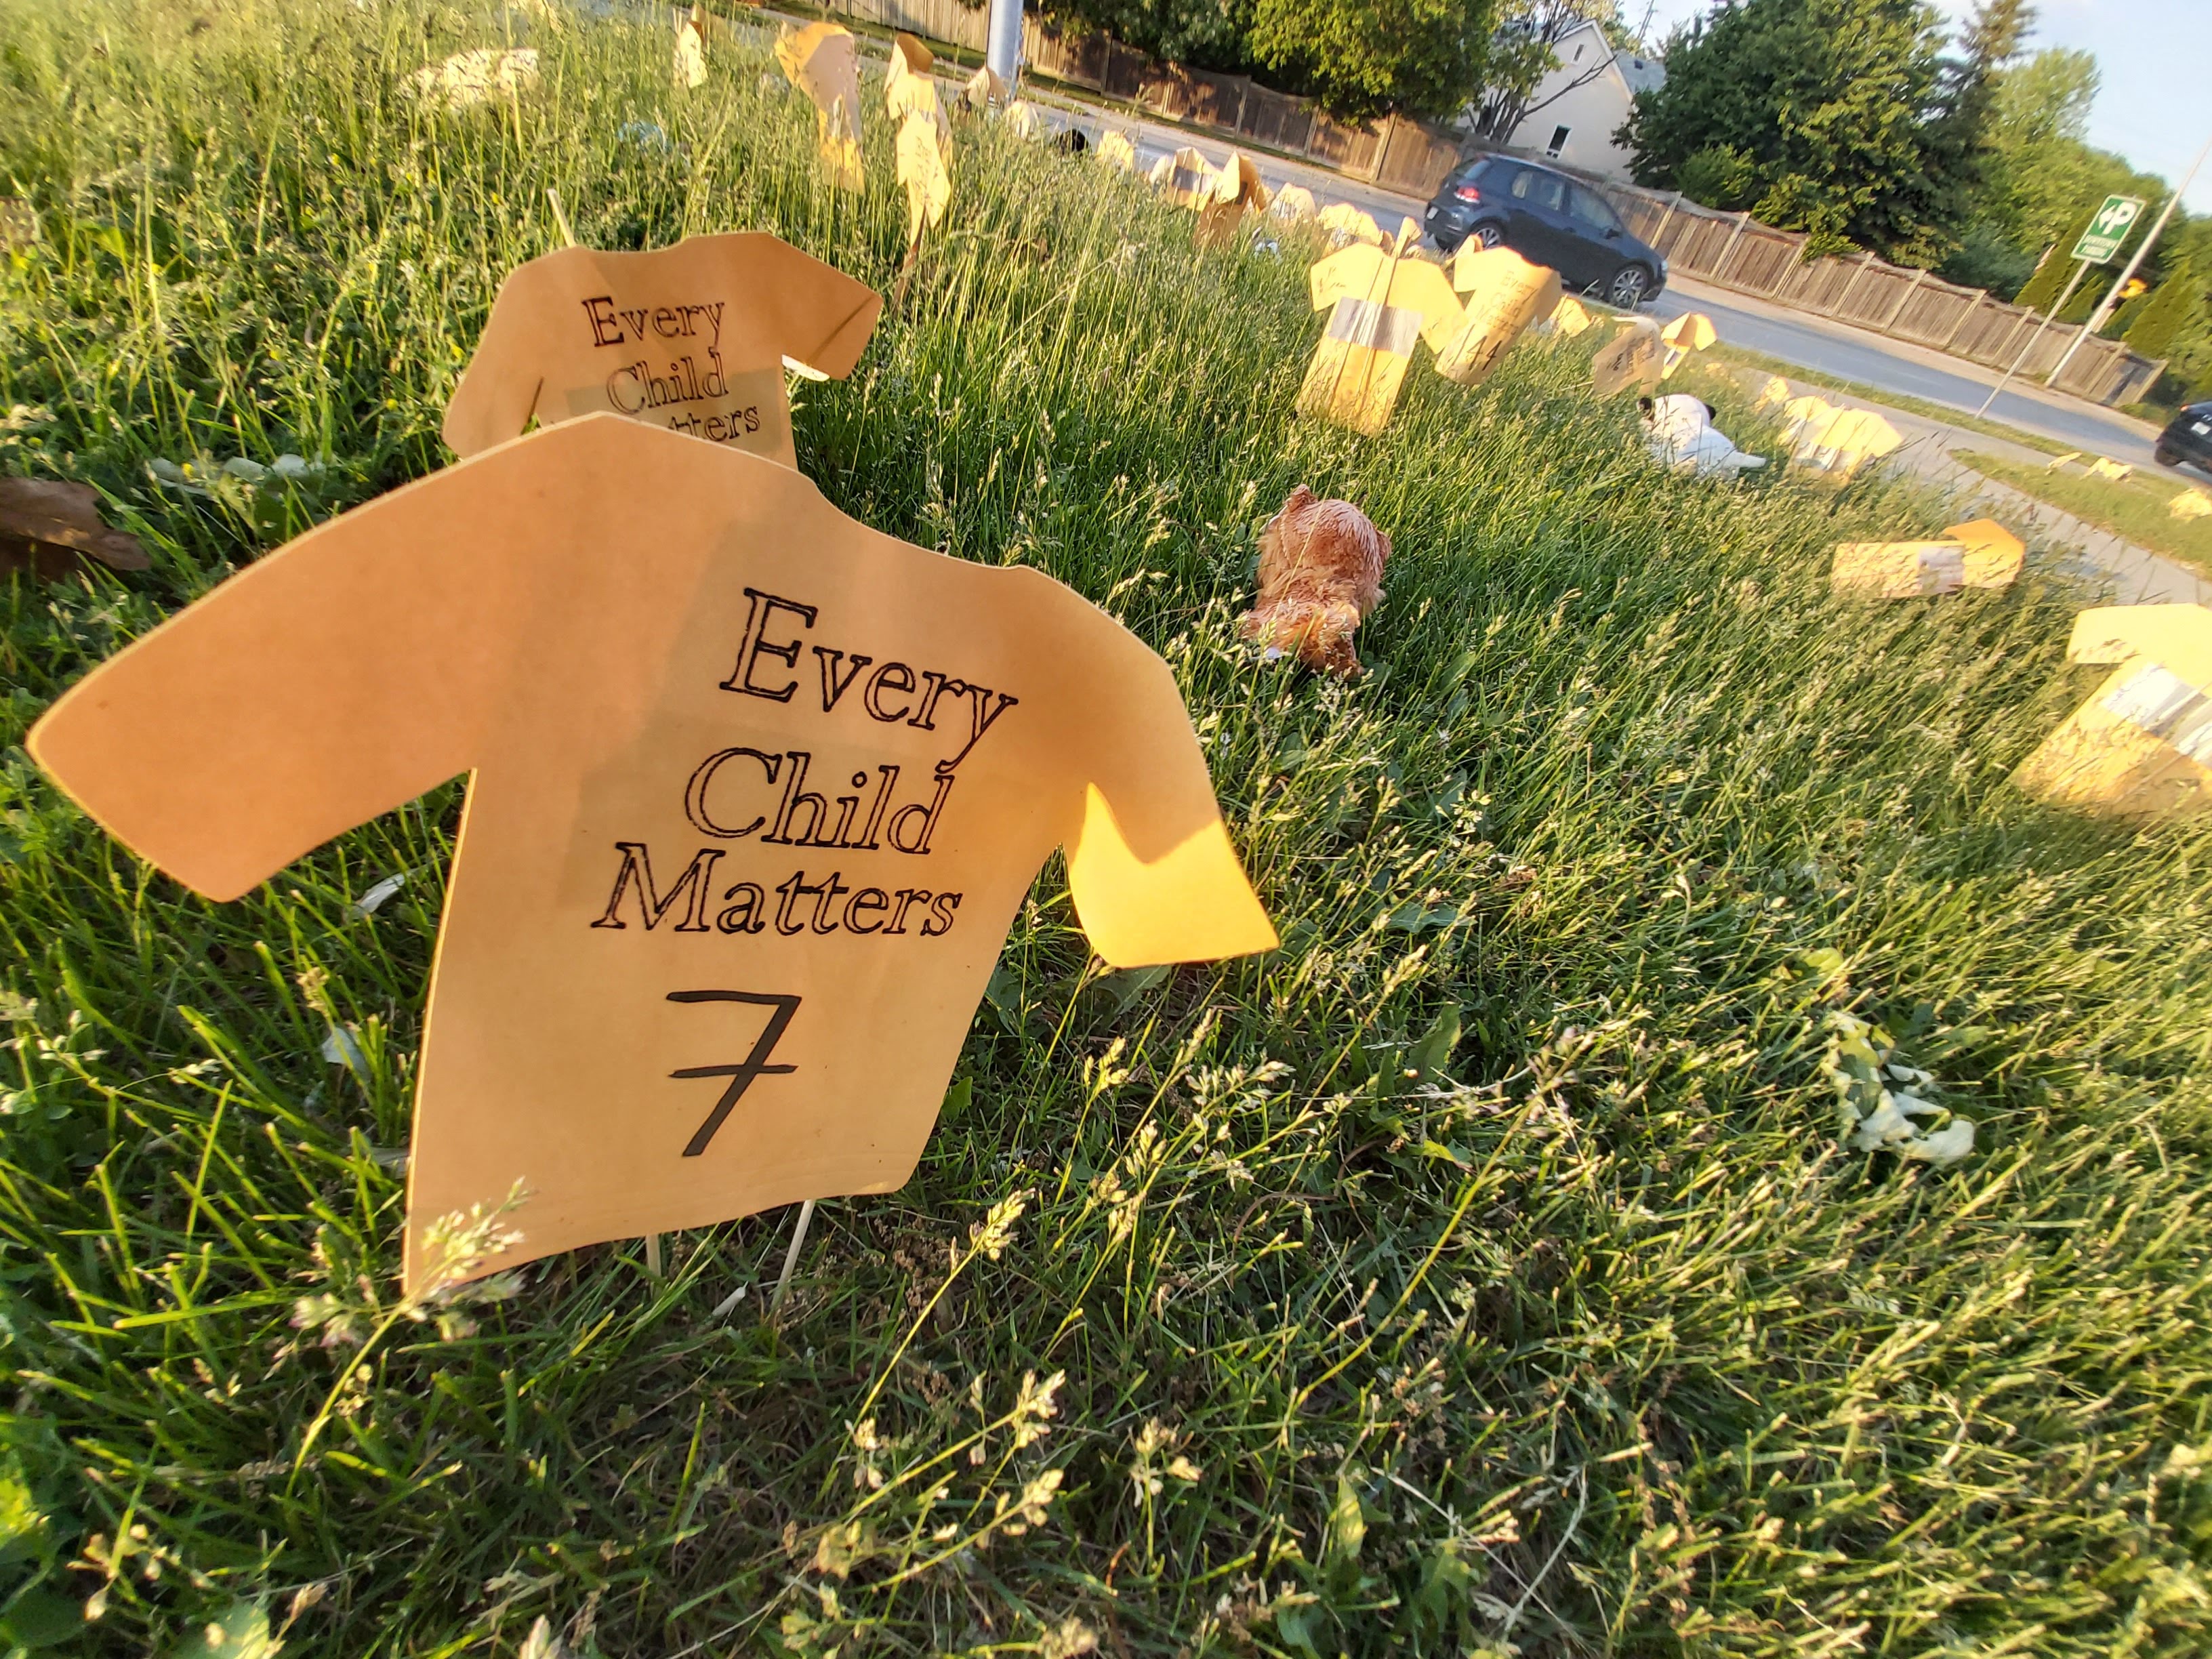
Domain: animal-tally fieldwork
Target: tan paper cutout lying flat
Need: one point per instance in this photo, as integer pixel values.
(2189, 504)
(1025, 120)
(1898, 570)
(469, 79)
(1293, 203)
(820, 61)
(690, 71)
(2058, 461)
(756, 793)
(1835, 442)
(1773, 394)
(1629, 360)
(1691, 331)
(1379, 303)
(1995, 556)
(1569, 317)
(2141, 746)
(1982, 553)
(46, 524)
(2117, 472)
(1504, 294)
(1234, 191)
(1115, 150)
(1348, 224)
(692, 337)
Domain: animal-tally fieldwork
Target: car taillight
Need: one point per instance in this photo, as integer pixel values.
(1467, 194)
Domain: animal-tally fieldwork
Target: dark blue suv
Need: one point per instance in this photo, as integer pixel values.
(1544, 216)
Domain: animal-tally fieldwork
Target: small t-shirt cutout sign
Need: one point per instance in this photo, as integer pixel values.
(2141, 746)
(1379, 302)
(691, 337)
(755, 794)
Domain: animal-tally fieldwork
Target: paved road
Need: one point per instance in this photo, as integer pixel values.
(1886, 365)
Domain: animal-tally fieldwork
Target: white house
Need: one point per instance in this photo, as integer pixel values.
(1578, 107)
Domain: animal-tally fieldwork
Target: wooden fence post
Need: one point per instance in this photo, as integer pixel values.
(1898, 310)
(1720, 265)
(1972, 307)
(2004, 352)
(1665, 219)
(1857, 271)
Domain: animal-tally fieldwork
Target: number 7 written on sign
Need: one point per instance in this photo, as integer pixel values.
(754, 1065)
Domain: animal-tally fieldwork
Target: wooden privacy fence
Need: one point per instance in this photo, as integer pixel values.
(1396, 153)
(1733, 250)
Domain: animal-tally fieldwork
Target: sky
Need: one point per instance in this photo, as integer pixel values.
(2156, 55)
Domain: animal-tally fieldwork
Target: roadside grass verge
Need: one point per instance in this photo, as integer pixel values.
(2138, 506)
(1482, 1267)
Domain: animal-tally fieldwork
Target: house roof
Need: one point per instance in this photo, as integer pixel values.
(1641, 73)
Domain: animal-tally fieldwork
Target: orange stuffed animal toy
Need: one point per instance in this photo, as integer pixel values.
(1321, 573)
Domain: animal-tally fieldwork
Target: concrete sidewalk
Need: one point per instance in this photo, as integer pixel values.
(2128, 574)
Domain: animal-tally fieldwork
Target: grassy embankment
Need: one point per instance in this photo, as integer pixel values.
(1587, 1337)
(2139, 506)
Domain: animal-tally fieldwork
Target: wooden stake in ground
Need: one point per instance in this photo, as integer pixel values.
(791, 1255)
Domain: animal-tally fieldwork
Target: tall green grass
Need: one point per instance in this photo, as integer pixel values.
(1480, 1272)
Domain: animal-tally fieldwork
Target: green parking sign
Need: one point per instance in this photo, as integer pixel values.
(2108, 229)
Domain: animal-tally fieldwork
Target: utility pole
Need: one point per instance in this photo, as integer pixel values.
(2081, 269)
(1003, 39)
(2105, 306)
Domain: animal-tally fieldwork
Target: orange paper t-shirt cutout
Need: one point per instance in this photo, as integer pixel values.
(756, 793)
(691, 337)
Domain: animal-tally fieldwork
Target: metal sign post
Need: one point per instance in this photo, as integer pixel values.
(2081, 269)
(2096, 319)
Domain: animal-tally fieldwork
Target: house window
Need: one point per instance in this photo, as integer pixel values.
(1559, 142)
(1578, 54)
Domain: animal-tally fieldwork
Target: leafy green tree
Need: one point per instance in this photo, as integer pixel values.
(1210, 34)
(1362, 57)
(1841, 106)
(2178, 300)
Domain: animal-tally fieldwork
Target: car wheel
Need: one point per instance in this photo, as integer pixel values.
(2166, 457)
(1488, 235)
(1628, 287)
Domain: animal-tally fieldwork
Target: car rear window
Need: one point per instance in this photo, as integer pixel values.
(1592, 209)
(1545, 189)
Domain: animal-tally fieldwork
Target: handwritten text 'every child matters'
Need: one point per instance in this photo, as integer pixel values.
(635, 389)
(740, 792)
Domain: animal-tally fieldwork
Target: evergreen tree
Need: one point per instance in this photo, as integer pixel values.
(1959, 137)
(2166, 313)
(1844, 108)
(2057, 270)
